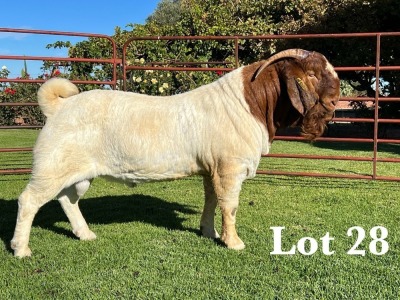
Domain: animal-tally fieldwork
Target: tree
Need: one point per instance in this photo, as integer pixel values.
(167, 13)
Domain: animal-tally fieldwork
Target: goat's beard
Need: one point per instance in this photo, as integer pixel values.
(314, 122)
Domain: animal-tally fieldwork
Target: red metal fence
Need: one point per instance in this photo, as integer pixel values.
(375, 67)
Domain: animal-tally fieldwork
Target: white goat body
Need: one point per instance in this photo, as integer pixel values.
(139, 138)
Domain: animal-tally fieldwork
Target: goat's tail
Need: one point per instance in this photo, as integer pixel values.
(50, 93)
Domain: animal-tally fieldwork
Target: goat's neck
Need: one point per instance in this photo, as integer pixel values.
(262, 95)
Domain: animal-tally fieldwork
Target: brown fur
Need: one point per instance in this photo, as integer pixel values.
(262, 94)
(314, 122)
(293, 92)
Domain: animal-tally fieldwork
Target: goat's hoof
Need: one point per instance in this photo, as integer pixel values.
(20, 251)
(209, 232)
(234, 243)
(24, 252)
(85, 235)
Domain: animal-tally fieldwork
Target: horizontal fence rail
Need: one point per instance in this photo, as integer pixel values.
(374, 68)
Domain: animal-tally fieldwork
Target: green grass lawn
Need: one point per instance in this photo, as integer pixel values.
(148, 244)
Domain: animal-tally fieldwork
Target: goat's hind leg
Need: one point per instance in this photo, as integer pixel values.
(69, 201)
(35, 195)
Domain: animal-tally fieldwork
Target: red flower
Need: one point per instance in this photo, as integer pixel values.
(219, 73)
(56, 72)
(10, 91)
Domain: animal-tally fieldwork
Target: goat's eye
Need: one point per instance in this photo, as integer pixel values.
(311, 74)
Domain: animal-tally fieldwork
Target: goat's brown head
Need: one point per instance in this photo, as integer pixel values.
(293, 87)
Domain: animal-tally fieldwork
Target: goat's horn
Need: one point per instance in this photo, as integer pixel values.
(293, 53)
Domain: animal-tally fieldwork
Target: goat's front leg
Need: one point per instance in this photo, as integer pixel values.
(207, 218)
(227, 188)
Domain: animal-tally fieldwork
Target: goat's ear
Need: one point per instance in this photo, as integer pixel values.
(299, 94)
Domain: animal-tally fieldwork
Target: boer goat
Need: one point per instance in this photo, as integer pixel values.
(218, 131)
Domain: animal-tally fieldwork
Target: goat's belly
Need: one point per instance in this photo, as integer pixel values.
(148, 171)
(140, 177)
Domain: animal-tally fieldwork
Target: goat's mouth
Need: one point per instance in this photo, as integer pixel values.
(315, 120)
(330, 105)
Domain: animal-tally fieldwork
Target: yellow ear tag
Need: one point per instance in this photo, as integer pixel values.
(302, 84)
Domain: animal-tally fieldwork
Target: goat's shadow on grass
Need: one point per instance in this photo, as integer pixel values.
(102, 210)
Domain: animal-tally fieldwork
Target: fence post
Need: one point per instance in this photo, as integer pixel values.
(376, 109)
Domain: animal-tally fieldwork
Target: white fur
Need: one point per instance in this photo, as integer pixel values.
(137, 138)
(141, 138)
